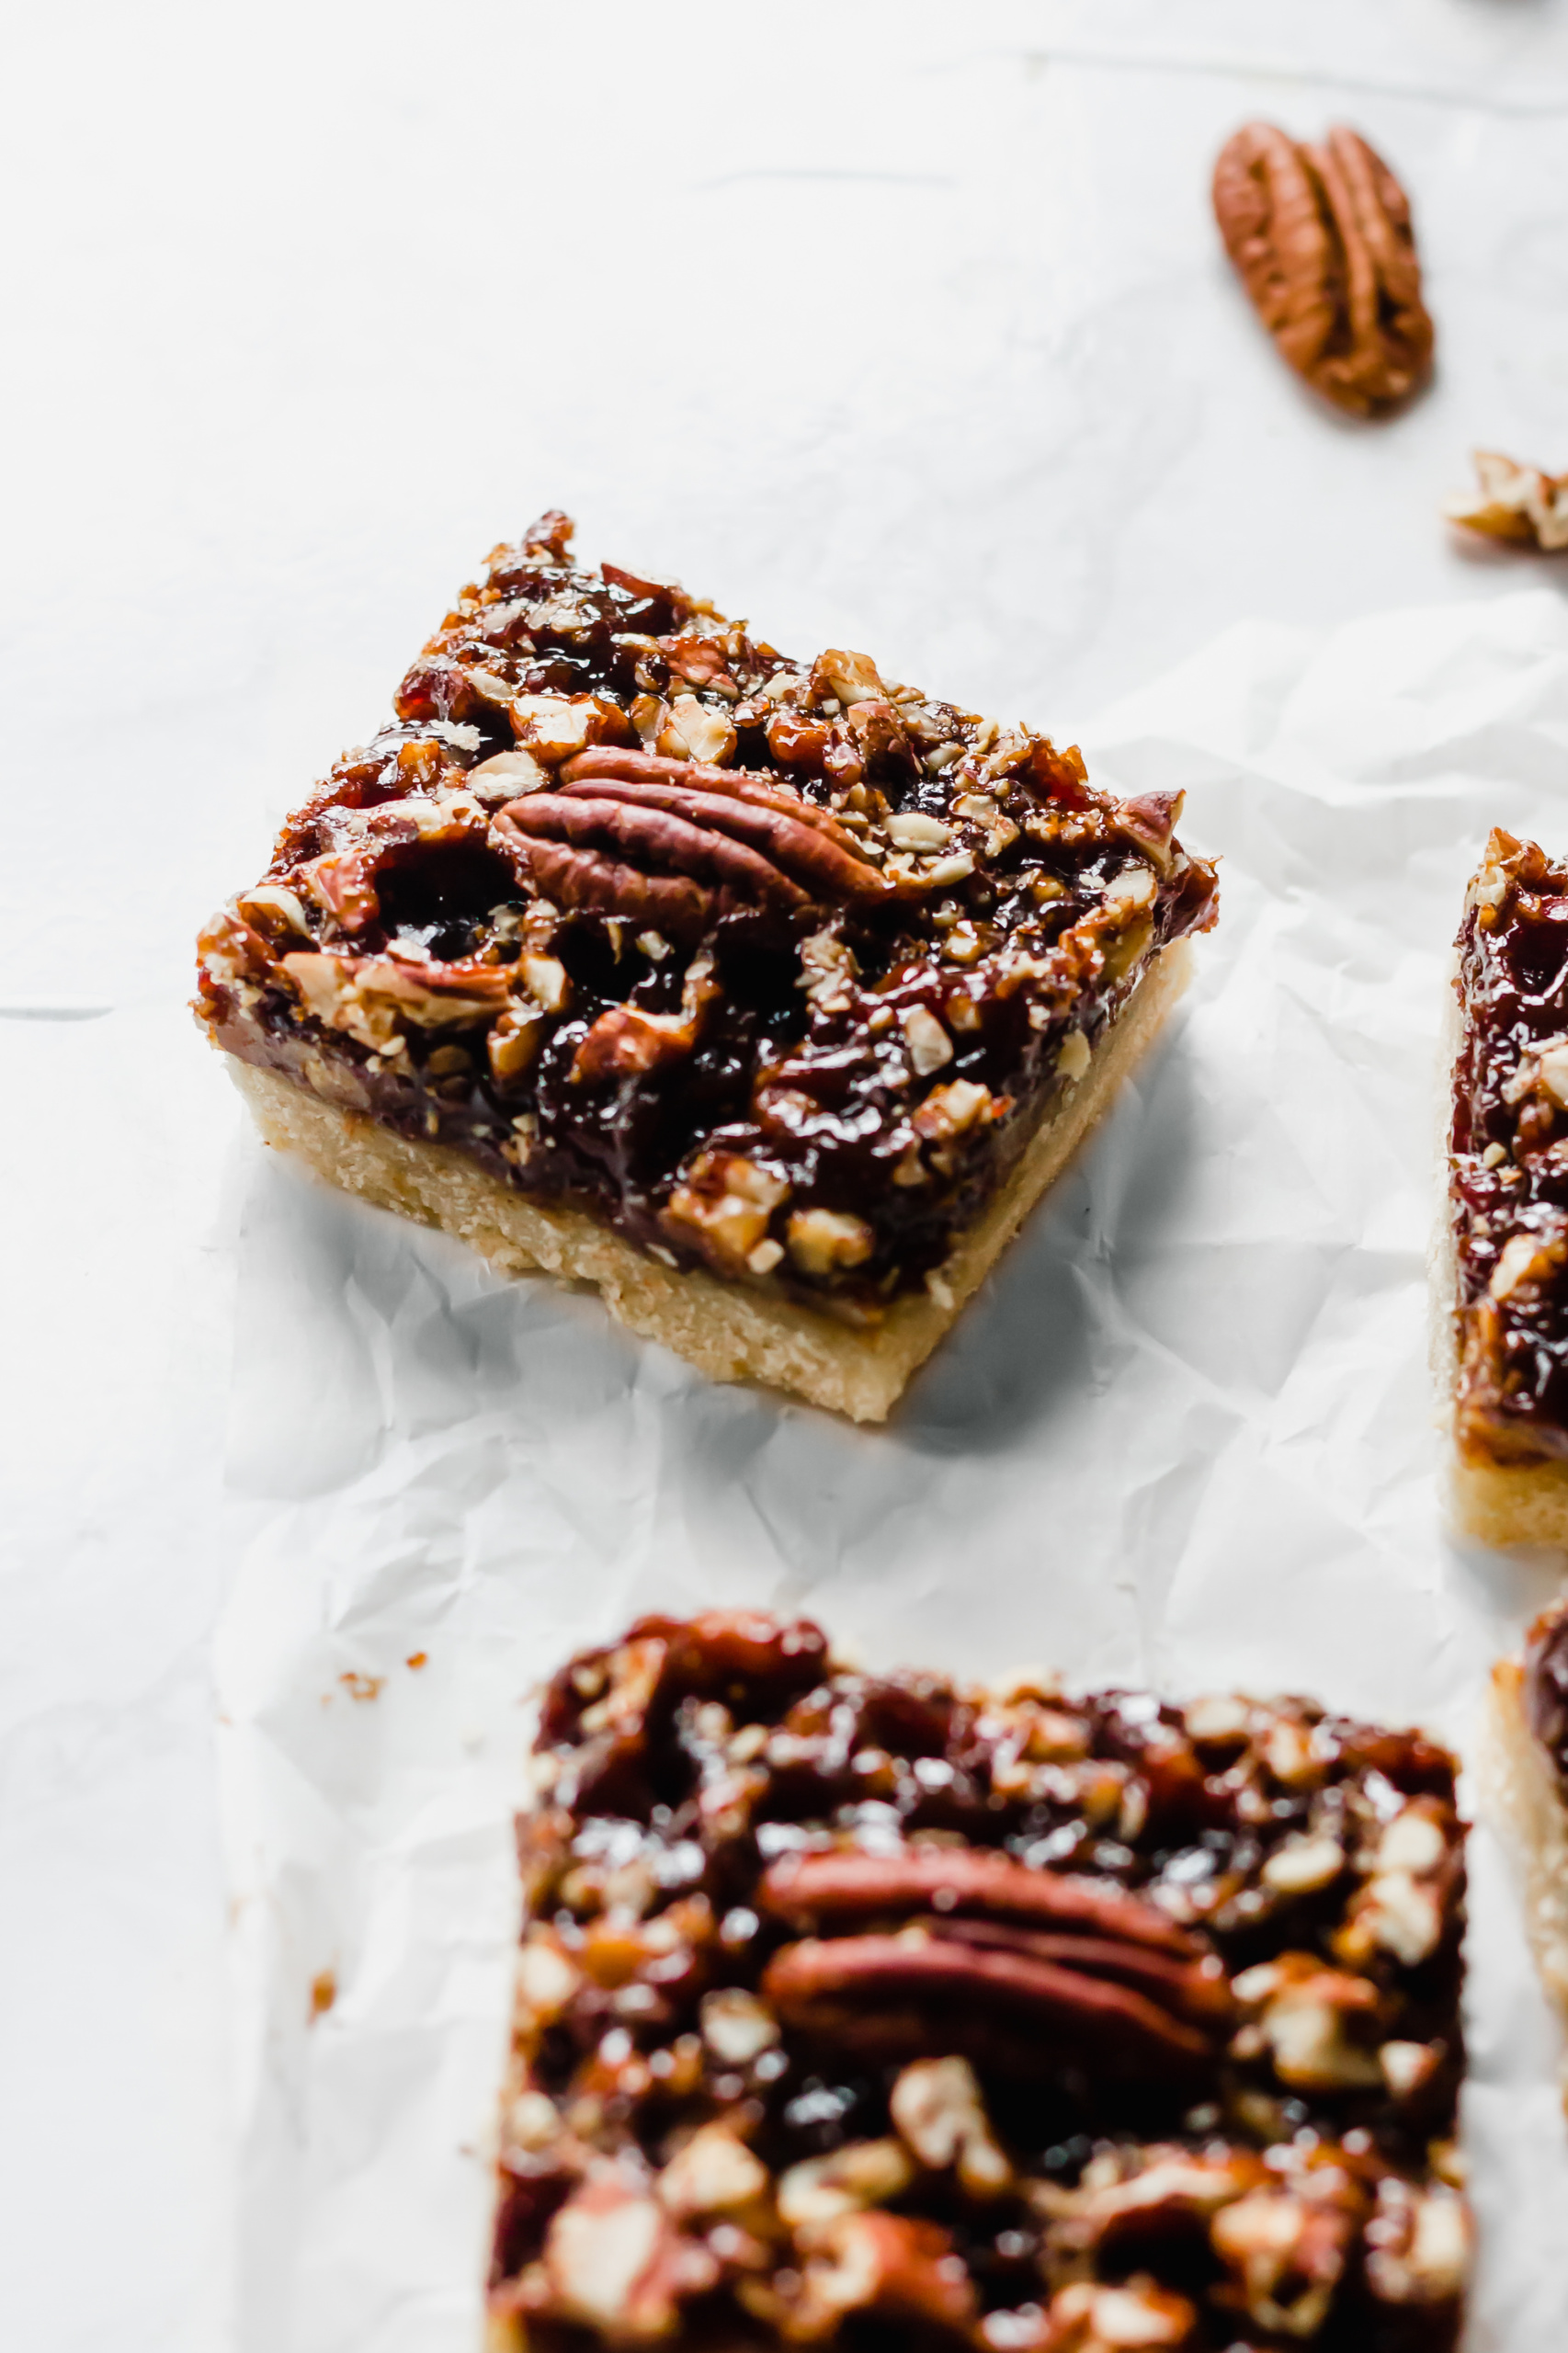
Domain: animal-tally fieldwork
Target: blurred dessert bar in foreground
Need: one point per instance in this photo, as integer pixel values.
(882, 2012)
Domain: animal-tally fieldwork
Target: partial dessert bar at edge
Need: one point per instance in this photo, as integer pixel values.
(767, 996)
(1526, 1779)
(876, 2011)
(1503, 1277)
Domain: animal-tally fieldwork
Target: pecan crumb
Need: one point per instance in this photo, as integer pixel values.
(1515, 503)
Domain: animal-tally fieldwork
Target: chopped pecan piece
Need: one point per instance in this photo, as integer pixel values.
(1514, 502)
(613, 2263)
(1322, 238)
(1287, 2249)
(939, 2107)
(889, 2264)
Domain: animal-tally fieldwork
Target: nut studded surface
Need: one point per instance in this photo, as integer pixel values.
(873, 2011)
(775, 971)
(1501, 1280)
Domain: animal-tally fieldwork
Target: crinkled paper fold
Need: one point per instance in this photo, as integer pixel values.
(1185, 1437)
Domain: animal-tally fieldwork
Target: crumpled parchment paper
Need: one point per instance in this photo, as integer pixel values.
(1186, 1437)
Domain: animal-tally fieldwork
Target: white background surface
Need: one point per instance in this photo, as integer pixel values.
(894, 325)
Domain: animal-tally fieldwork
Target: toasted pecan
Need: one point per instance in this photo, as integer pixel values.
(1322, 238)
(813, 1890)
(858, 1992)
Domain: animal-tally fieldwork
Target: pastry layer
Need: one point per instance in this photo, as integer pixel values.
(1525, 1795)
(727, 1330)
(1511, 1504)
(886, 2013)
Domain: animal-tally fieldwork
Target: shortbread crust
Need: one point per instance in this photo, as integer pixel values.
(1524, 1778)
(1525, 1796)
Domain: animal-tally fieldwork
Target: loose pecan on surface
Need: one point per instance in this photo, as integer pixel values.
(1515, 503)
(1321, 235)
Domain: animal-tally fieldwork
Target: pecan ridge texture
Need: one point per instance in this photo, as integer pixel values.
(882, 2012)
(1321, 235)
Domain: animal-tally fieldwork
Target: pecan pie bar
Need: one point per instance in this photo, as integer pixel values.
(769, 995)
(1526, 1773)
(1504, 1283)
(875, 2011)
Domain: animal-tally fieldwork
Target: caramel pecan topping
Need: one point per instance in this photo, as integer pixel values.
(827, 949)
(1322, 238)
(1509, 1159)
(856, 2009)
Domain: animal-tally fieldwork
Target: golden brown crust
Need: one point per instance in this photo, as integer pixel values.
(1503, 1504)
(1522, 1793)
(729, 1331)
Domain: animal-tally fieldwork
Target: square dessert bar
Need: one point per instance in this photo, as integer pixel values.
(875, 2011)
(1504, 1277)
(769, 995)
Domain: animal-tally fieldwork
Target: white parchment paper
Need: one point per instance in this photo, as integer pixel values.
(1185, 1437)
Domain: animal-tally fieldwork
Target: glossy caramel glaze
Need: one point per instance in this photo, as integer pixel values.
(1509, 1158)
(972, 2002)
(775, 966)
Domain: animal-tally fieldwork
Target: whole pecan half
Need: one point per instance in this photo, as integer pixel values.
(884, 1997)
(811, 1890)
(1099, 1977)
(1321, 235)
(1197, 1990)
(673, 847)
